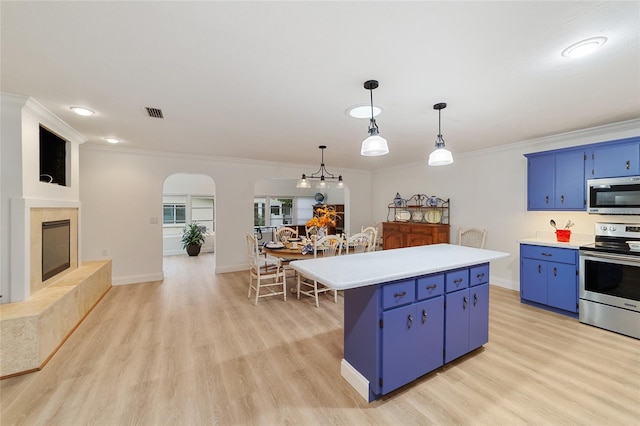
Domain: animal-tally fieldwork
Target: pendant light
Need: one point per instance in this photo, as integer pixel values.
(375, 144)
(441, 156)
(322, 179)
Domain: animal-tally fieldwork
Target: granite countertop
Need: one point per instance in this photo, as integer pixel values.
(549, 239)
(359, 270)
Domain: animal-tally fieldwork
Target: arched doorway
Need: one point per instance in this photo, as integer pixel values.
(187, 198)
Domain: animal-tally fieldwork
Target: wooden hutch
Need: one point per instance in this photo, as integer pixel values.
(416, 221)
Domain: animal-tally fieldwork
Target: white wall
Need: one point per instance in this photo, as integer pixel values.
(121, 192)
(488, 189)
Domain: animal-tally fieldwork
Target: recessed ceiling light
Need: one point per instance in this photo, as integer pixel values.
(111, 139)
(584, 47)
(82, 111)
(363, 111)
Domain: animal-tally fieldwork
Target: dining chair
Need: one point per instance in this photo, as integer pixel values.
(472, 237)
(373, 231)
(284, 233)
(331, 245)
(359, 243)
(267, 275)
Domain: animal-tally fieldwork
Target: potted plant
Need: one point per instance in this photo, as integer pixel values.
(192, 239)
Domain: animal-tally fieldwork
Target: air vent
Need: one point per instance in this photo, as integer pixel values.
(154, 112)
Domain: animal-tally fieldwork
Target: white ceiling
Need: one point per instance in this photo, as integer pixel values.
(272, 80)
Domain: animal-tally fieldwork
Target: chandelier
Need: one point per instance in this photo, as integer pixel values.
(322, 175)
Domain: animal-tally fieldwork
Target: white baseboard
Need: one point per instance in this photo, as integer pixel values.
(135, 279)
(500, 282)
(355, 379)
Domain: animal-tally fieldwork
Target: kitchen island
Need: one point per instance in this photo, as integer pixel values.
(407, 311)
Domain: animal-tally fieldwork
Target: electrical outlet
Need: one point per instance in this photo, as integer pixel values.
(105, 252)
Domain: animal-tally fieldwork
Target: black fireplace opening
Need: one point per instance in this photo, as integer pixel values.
(56, 247)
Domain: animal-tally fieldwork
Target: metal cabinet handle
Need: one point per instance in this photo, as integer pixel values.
(465, 302)
(628, 164)
(410, 318)
(475, 299)
(432, 286)
(404, 293)
(562, 199)
(458, 281)
(547, 254)
(539, 269)
(546, 199)
(480, 276)
(555, 272)
(424, 316)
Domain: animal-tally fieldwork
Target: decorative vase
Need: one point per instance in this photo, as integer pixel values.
(322, 232)
(193, 249)
(398, 200)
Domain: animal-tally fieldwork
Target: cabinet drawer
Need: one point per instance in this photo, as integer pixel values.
(457, 280)
(430, 286)
(479, 275)
(398, 294)
(387, 226)
(548, 253)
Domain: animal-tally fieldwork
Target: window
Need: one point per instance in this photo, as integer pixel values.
(276, 211)
(259, 210)
(173, 213)
(202, 212)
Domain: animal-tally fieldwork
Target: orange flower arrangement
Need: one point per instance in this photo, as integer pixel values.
(325, 216)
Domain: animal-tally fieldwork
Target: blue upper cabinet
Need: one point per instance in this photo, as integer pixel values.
(540, 182)
(555, 180)
(618, 159)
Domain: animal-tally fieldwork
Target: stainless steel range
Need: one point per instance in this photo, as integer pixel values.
(610, 279)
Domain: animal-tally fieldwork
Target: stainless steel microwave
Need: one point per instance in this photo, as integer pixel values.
(619, 195)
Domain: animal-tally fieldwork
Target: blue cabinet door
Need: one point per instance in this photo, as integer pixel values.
(456, 325)
(478, 316)
(399, 355)
(540, 182)
(430, 334)
(570, 188)
(533, 280)
(562, 289)
(616, 160)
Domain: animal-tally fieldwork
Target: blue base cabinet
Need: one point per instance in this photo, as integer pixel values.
(549, 277)
(396, 332)
(467, 315)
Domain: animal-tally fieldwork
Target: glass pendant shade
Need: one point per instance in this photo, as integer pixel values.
(440, 157)
(303, 183)
(374, 145)
(322, 184)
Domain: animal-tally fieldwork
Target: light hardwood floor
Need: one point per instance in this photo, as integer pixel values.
(193, 350)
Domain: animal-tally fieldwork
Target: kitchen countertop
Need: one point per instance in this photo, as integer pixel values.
(549, 239)
(363, 269)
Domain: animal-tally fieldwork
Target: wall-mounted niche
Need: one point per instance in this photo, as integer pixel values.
(53, 158)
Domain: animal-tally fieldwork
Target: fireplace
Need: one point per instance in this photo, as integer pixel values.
(55, 247)
(54, 244)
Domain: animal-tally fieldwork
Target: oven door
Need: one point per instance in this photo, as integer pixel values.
(614, 196)
(611, 279)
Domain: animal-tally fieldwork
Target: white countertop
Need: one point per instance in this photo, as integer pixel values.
(549, 239)
(359, 270)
